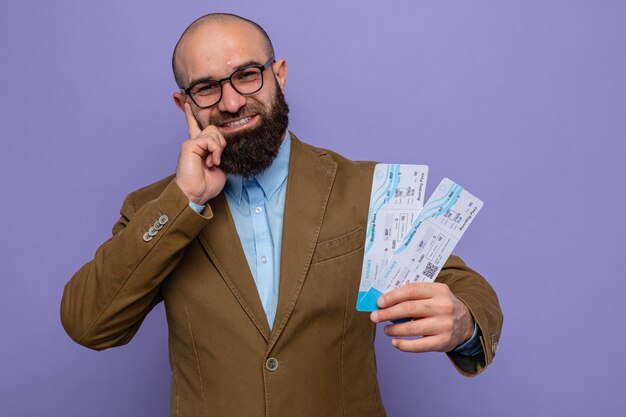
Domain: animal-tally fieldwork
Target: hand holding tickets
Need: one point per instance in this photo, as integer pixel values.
(198, 174)
(444, 321)
(406, 246)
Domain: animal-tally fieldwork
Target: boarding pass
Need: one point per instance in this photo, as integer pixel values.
(396, 199)
(427, 244)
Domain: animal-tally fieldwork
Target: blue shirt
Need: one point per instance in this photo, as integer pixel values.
(257, 206)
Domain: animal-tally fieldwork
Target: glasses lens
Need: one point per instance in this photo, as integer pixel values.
(247, 80)
(207, 93)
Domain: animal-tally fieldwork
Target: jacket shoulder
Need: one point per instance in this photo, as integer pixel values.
(151, 191)
(342, 162)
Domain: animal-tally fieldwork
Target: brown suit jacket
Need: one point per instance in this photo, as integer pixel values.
(317, 360)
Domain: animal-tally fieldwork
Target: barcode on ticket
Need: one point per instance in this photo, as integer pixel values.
(431, 270)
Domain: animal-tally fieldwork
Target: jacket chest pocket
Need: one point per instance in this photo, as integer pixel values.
(334, 277)
(341, 246)
(339, 260)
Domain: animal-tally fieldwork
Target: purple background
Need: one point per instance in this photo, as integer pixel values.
(523, 103)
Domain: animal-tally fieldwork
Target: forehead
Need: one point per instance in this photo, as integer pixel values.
(216, 49)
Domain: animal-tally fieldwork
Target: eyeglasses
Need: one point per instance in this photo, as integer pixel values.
(246, 80)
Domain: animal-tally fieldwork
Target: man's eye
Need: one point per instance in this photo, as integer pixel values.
(247, 75)
(206, 88)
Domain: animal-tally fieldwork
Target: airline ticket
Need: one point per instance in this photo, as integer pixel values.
(428, 243)
(396, 199)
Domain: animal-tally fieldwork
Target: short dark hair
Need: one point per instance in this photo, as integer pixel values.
(218, 17)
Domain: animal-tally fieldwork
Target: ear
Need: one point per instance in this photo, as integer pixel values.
(280, 70)
(179, 99)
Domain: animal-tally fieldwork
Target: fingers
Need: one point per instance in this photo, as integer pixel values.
(209, 144)
(413, 328)
(198, 174)
(425, 335)
(444, 321)
(413, 291)
(192, 124)
(423, 344)
(195, 129)
(210, 140)
(406, 309)
(415, 300)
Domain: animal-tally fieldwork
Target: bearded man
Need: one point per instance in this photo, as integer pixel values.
(255, 246)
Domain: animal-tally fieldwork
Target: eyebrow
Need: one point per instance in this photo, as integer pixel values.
(205, 79)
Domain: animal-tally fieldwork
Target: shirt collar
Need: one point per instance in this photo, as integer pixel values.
(269, 180)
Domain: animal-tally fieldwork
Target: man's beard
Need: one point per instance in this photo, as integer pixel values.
(252, 151)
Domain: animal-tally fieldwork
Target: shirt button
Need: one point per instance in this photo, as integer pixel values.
(264, 259)
(258, 210)
(271, 364)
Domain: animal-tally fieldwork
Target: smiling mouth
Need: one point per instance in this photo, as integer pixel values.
(237, 123)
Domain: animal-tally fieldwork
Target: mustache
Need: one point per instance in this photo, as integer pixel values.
(248, 109)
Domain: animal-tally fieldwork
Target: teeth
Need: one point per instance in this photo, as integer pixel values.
(238, 122)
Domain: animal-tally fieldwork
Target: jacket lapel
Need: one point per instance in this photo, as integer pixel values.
(309, 183)
(223, 246)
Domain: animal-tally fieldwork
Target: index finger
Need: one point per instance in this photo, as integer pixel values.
(192, 124)
(412, 291)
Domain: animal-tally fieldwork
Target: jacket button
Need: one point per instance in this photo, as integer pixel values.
(163, 219)
(271, 364)
(147, 237)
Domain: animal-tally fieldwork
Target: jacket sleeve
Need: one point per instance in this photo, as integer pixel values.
(474, 291)
(105, 302)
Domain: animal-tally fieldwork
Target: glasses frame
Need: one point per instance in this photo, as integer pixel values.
(262, 68)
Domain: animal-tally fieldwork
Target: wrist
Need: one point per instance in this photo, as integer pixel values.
(472, 346)
(470, 327)
(192, 197)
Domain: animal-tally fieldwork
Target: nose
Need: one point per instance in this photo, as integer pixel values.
(231, 100)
